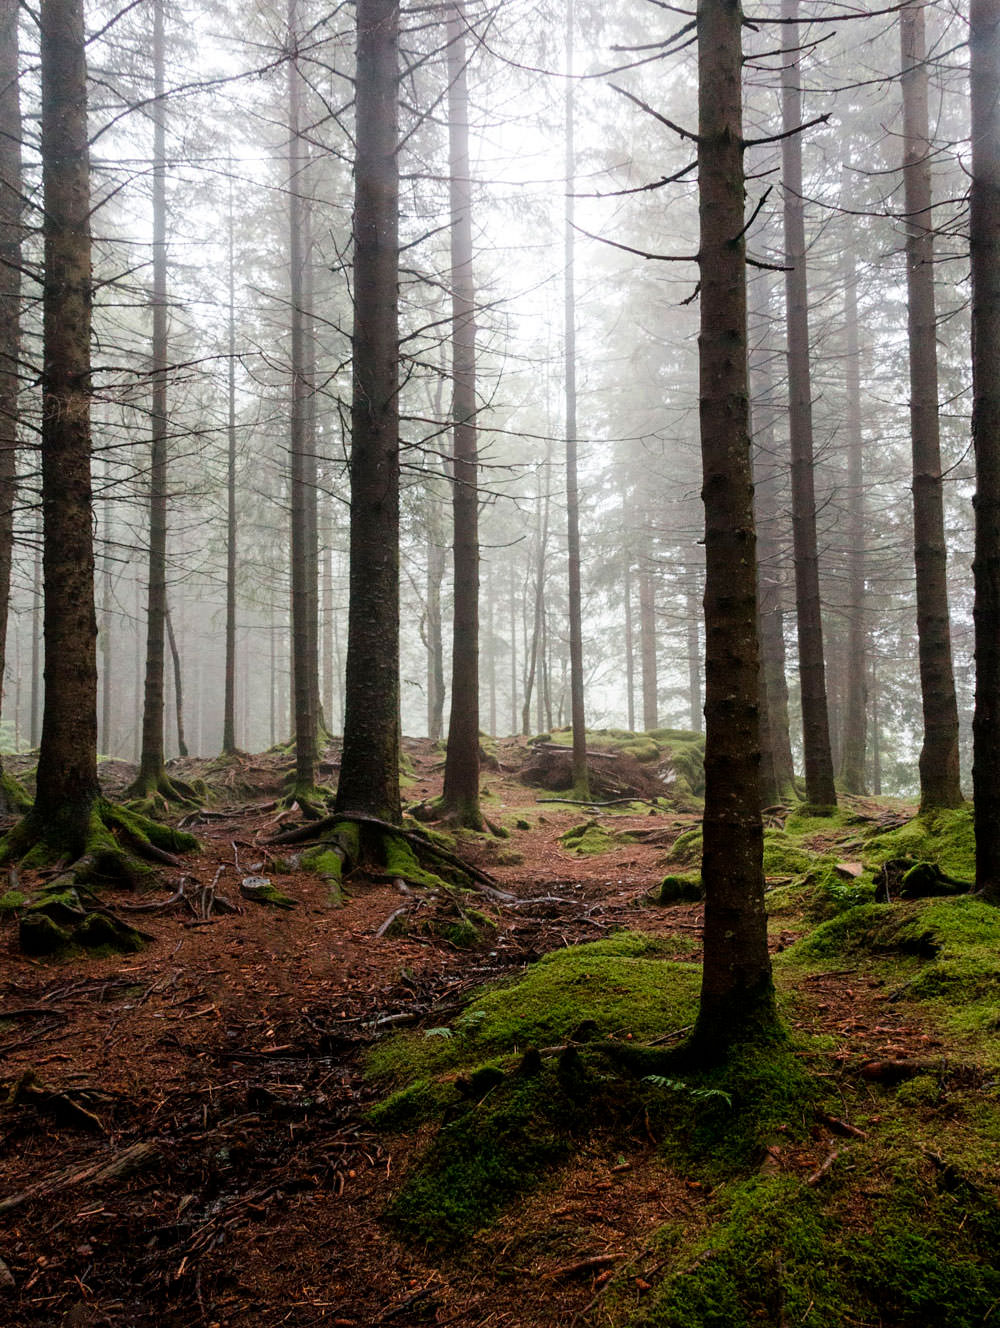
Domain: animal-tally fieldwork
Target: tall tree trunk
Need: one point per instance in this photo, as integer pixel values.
(737, 995)
(229, 700)
(629, 638)
(820, 789)
(107, 737)
(11, 234)
(647, 644)
(939, 765)
(369, 773)
(303, 639)
(855, 730)
(67, 785)
(491, 634)
(984, 237)
(581, 781)
(151, 752)
(433, 636)
(460, 799)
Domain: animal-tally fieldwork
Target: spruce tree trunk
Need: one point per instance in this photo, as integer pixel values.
(436, 561)
(229, 699)
(629, 638)
(737, 997)
(855, 730)
(303, 639)
(369, 773)
(534, 652)
(67, 785)
(775, 737)
(939, 766)
(460, 799)
(581, 779)
(984, 238)
(820, 791)
(151, 751)
(175, 655)
(693, 656)
(11, 234)
(647, 645)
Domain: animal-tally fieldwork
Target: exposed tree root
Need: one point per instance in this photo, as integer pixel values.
(311, 800)
(353, 841)
(162, 794)
(116, 846)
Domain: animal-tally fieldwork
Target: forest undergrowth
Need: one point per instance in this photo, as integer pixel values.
(395, 1104)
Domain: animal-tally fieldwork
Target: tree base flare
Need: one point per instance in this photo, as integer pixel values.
(115, 845)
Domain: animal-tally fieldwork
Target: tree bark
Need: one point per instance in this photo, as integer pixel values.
(369, 774)
(175, 655)
(151, 751)
(11, 235)
(581, 780)
(303, 638)
(775, 737)
(737, 995)
(939, 764)
(984, 238)
(820, 791)
(67, 785)
(460, 799)
(229, 698)
(647, 643)
(855, 730)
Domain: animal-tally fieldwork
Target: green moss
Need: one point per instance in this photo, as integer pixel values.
(943, 952)
(686, 848)
(99, 932)
(590, 838)
(268, 894)
(678, 889)
(402, 861)
(943, 837)
(780, 1252)
(806, 820)
(329, 865)
(783, 857)
(623, 985)
(11, 901)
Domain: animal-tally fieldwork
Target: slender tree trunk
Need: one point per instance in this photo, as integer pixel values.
(647, 645)
(984, 237)
(304, 718)
(369, 774)
(855, 731)
(11, 234)
(939, 765)
(326, 541)
(737, 995)
(581, 781)
(629, 639)
(693, 656)
(151, 752)
(775, 738)
(436, 562)
(67, 785)
(491, 633)
(513, 652)
(310, 462)
(229, 700)
(107, 743)
(37, 608)
(876, 732)
(175, 655)
(532, 664)
(460, 798)
(820, 789)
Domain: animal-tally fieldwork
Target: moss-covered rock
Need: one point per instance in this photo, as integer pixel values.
(687, 888)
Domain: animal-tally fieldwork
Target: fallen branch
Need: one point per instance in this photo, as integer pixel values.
(820, 1172)
(583, 1266)
(127, 1163)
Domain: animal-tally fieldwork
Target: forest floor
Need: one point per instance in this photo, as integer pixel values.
(197, 1149)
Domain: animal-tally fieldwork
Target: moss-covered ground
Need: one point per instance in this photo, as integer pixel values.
(847, 1176)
